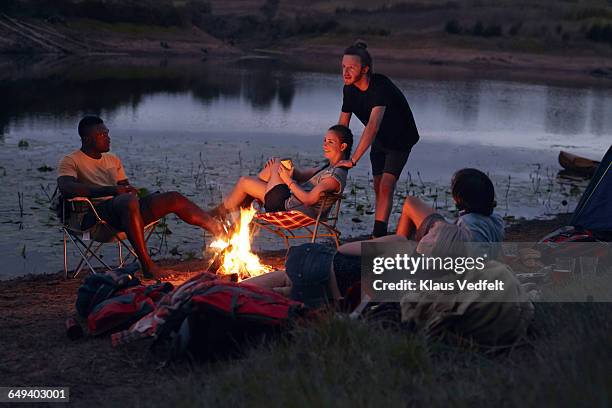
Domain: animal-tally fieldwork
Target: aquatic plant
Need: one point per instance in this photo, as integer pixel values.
(20, 201)
(44, 168)
(507, 193)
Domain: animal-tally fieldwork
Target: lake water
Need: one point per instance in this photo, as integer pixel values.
(196, 126)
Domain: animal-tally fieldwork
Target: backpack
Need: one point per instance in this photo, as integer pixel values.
(101, 286)
(572, 242)
(125, 307)
(569, 234)
(221, 317)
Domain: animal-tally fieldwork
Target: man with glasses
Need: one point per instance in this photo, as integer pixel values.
(93, 172)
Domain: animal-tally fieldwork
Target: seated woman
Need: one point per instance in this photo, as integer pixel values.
(281, 189)
(474, 196)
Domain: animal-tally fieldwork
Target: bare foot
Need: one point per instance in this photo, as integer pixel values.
(158, 273)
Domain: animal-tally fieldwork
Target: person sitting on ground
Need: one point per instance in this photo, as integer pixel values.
(474, 196)
(317, 274)
(93, 172)
(283, 189)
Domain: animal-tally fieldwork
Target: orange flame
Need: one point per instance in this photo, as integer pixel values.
(237, 256)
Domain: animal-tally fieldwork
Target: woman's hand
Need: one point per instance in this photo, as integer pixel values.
(285, 175)
(271, 161)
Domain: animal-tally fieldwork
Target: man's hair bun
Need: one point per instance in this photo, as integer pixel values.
(360, 44)
(359, 48)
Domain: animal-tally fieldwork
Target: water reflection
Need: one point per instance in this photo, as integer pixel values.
(266, 94)
(566, 110)
(601, 109)
(68, 91)
(265, 80)
(463, 102)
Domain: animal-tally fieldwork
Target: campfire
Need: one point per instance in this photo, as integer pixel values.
(236, 255)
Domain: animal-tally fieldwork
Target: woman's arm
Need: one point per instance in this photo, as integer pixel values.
(328, 184)
(300, 175)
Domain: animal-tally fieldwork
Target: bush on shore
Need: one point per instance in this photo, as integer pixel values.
(479, 29)
(149, 12)
(600, 33)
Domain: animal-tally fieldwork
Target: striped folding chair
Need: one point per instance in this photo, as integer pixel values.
(72, 212)
(297, 225)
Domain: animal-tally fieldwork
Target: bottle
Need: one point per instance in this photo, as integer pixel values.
(73, 329)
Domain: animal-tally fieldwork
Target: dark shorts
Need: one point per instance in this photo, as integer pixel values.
(347, 269)
(308, 266)
(274, 200)
(106, 211)
(388, 161)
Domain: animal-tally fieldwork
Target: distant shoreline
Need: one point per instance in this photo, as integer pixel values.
(453, 63)
(442, 64)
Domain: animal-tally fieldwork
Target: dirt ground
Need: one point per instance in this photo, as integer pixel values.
(36, 351)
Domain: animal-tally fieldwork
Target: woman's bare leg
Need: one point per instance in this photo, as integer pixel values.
(271, 280)
(413, 214)
(333, 284)
(246, 186)
(354, 248)
(275, 178)
(264, 174)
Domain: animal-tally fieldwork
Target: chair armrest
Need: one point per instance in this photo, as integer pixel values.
(89, 202)
(337, 196)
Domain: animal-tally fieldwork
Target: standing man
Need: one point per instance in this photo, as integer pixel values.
(389, 126)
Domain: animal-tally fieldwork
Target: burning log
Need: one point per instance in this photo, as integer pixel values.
(234, 256)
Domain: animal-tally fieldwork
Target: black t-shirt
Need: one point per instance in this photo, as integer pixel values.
(398, 130)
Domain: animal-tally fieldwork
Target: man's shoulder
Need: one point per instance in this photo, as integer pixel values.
(111, 157)
(74, 154)
(380, 79)
(68, 164)
(383, 82)
(72, 157)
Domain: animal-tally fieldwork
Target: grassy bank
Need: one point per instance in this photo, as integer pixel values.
(565, 361)
(349, 363)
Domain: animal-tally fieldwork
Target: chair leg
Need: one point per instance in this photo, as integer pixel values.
(337, 241)
(79, 267)
(286, 239)
(130, 250)
(89, 254)
(83, 256)
(65, 254)
(120, 254)
(314, 233)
